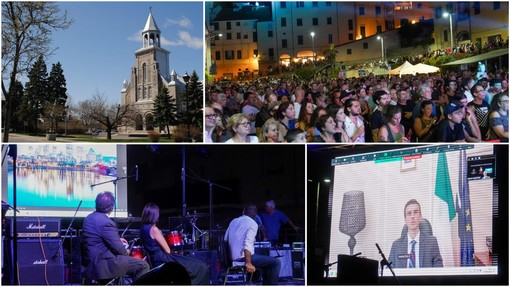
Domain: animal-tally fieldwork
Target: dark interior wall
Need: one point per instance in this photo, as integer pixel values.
(253, 173)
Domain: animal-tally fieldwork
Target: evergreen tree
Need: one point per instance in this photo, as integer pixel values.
(164, 110)
(17, 95)
(57, 97)
(196, 101)
(36, 90)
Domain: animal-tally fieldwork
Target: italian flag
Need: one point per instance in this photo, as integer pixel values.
(443, 211)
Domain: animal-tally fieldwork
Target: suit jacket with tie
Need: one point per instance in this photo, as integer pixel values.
(104, 255)
(429, 252)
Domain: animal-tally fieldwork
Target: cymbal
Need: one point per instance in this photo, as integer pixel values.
(190, 215)
(128, 219)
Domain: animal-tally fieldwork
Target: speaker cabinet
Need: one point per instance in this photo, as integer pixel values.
(298, 262)
(40, 262)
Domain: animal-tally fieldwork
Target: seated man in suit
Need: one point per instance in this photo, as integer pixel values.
(104, 254)
(415, 249)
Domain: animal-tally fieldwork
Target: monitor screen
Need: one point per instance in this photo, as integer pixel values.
(444, 197)
(52, 179)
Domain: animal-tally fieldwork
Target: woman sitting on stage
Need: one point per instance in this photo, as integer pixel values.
(159, 252)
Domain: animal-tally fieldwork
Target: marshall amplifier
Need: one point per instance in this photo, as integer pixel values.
(40, 262)
(33, 227)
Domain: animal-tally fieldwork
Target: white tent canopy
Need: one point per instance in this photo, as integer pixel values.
(410, 69)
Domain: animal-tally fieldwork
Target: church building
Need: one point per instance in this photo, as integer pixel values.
(150, 73)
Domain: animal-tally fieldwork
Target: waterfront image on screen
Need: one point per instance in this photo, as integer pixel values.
(51, 180)
(442, 197)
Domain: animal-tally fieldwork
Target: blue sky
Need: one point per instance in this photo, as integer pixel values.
(97, 51)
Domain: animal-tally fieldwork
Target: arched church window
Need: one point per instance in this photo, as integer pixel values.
(150, 92)
(138, 122)
(144, 72)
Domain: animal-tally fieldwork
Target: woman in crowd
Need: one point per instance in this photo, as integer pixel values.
(392, 130)
(425, 123)
(305, 116)
(326, 124)
(270, 132)
(338, 114)
(239, 126)
(159, 251)
(469, 122)
(286, 116)
(498, 117)
(313, 130)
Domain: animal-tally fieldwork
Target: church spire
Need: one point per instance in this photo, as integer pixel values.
(151, 32)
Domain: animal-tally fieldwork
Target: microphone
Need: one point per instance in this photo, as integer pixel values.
(136, 173)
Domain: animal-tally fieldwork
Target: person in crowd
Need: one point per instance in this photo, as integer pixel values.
(327, 126)
(467, 84)
(299, 100)
(272, 219)
(240, 236)
(407, 106)
(382, 100)
(159, 251)
(270, 132)
(305, 116)
(354, 125)
(338, 114)
(295, 136)
(392, 130)
(313, 130)
(498, 117)
(239, 126)
(469, 123)
(211, 121)
(361, 97)
(104, 253)
(419, 247)
(450, 129)
(481, 109)
(283, 90)
(251, 109)
(286, 116)
(425, 94)
(425, 123)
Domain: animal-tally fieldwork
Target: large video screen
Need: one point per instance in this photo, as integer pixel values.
(52, 179)
(442, 197)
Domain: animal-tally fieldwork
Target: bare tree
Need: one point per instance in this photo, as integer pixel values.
(27, 28)
(108, 115)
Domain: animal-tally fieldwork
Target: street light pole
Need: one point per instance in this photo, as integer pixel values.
(186, 78)
(449, 15)
(382, 47)
(313, 46)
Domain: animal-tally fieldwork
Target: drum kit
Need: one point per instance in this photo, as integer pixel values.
(187, 236)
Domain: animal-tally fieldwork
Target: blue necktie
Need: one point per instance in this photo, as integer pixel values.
(412, 255)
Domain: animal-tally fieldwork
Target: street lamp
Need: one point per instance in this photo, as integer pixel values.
(186, 78)
(382, 46)
(313, 46)
(449, 15)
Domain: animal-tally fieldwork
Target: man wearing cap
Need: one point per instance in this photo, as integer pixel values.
(450, 129)
(382, 99)
(345, 95)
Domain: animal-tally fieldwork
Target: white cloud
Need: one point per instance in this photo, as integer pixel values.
(183, 22)
(136, 37)
(185, 39)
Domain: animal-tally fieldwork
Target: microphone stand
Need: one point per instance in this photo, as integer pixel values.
(384, 262)
(114, 181)
(211, 213)
(61, 243)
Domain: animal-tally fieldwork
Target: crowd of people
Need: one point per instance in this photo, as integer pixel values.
(452, 107)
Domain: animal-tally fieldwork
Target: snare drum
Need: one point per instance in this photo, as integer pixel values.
(174, 238)
(137, 252)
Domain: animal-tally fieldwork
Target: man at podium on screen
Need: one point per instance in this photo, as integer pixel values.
(417, 247)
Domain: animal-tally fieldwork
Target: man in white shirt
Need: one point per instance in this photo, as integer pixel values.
(240, 236)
